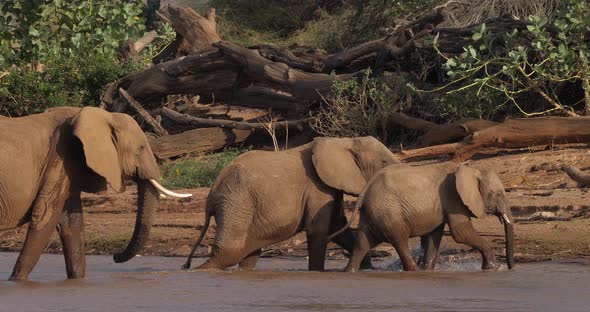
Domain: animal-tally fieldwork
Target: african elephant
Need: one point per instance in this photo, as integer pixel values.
(265, 197)
(402, 201)
(47, 159)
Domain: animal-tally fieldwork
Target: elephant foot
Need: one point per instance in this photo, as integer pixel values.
(15, 278)
(186, 266)
(490, 266)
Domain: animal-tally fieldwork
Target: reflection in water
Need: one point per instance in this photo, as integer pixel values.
(156, 284)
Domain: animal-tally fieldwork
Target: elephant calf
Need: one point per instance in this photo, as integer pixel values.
(403, 201)
(263, 197)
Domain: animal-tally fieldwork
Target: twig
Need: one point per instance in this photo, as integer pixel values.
(158, 130)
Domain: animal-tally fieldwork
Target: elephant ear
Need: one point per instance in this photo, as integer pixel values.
(93, 127)
(467, 183)
(336, 164)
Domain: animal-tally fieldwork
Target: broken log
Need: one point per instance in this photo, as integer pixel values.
(199, 32)
(196, 122)
(206, 74)
(302, 85)
(158, 130)
(440, 134)
(196, 141)
(412, 123)
(129, 50)
(512, 134)
(454, 132)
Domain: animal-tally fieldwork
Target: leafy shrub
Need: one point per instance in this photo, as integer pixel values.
(32, 30)
(65, 80)
(531, 65)
(362, 107)
(197, 172)
(76, 42)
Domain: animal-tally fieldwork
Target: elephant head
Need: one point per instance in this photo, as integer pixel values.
(114, 147)
(482, 192)
(347, 164)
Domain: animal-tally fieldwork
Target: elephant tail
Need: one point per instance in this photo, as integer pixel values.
(357, 208)
(208, 215)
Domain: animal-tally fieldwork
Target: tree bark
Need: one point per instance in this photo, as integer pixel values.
(199, 32)
(158, 130)
(511, 134)
(185, 119)
(196, 141)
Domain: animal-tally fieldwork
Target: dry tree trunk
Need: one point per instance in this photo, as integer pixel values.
(514, 133)
(204, 140)
(185, 119)
(129, 50)
(199, 32)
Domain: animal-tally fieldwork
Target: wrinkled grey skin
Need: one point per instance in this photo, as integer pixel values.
(264, 197)
(402, 201)
(48, 159)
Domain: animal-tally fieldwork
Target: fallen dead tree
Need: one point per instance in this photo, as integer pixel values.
(196, 141)
(298, 125)
(512, 134)
(435, 134)
(293, 83)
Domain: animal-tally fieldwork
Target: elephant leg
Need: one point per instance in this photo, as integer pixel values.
(400, 243)
(347, 238)
(71, 233)
(249, 263)
(430, 245)
(464, 233)
(316, 249)
(35, 242)
(222, 258)
(365, 241)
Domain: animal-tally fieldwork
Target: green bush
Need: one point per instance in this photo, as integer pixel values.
(66, 80)
(33, 30)
(197, 172)
(526, 69)
(76, 42)
(362, 107)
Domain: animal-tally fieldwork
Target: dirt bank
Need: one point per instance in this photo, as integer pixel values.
(533, 181)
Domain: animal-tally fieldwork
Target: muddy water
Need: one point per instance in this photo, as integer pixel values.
(156, 284)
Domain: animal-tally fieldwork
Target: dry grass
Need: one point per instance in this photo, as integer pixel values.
(469, 12)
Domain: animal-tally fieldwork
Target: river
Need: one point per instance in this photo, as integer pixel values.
(282, 284)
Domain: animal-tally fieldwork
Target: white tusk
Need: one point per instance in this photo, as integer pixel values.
(168, 192)
(505, 218)
(163, 196)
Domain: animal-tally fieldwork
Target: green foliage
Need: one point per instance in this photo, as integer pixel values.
(197, 172)
(362, 107)
(31, 30)
(71, 81)
(77, 43)
(516, 67)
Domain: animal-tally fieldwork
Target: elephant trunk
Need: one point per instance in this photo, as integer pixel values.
(147, 201)
(509, 233)
(577, 175)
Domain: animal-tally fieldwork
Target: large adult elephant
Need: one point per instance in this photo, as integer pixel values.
(403, 201)
(264, 197)
(47, 159)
